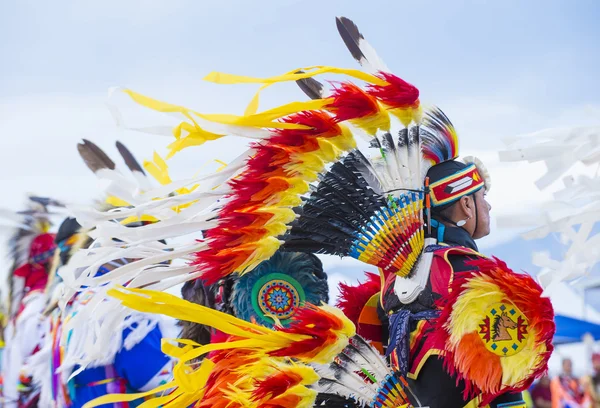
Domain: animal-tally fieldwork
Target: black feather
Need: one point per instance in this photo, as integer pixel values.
(375, 143)
(351, 37)
(387, 143)
(359, 162)
(311, 87)
(129, 158)
(293, 244)
(336, 209)
(94, 157)
(46, 201)
(335, 401)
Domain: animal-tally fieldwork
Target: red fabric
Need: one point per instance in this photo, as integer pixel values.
(542, 392)
(441, 272)
(35, 276)
(40, 244)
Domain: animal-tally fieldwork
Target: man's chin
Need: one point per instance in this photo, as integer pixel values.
(482, 235)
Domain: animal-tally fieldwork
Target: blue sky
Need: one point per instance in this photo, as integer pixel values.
(449, 48)
(498, 68)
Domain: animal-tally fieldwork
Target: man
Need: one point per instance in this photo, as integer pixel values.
(592, 383)
(566, 389)
(32, 248)
(456, 221)
(306, 188)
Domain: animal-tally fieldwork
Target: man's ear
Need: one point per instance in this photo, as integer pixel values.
(466, 207)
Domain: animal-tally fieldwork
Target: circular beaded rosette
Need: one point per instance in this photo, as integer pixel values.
(277, 295)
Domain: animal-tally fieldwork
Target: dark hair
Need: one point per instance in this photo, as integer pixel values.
(67, 229)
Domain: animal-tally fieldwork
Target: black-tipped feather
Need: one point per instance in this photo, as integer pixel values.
(375, 143)
(311, 87)
(414, 157)
(391, 156)
(335, 401)
(129, 158)
(94, 157)
(335, 209)
(334, 387)
(46, 201)
(351, 37)
(366, 170)
(360, 49)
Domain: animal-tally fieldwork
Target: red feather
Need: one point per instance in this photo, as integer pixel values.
(351, 102)
(353, 299)
(275, 385)
(241, 224)
(311, 321)
(397, 93)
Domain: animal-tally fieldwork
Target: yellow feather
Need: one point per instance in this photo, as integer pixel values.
(467, 311)
(516, 368)
(116, 202)
(371, 124)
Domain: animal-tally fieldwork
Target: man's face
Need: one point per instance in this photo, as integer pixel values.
(483, 215)
(596, 364)
(567, 366)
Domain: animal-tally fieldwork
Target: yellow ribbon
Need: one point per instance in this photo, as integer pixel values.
(113, 398)
(294, 75)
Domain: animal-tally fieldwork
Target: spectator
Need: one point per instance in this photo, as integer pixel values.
(541, 395)
(591, 384)
(566, 390)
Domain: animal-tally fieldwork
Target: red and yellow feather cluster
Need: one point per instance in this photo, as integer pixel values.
(490, 359)
(260, 205)
(259, 208)
(246, 364)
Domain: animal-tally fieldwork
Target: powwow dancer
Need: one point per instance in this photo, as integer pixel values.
(31, 248)
(305, 186)
(130, 360)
